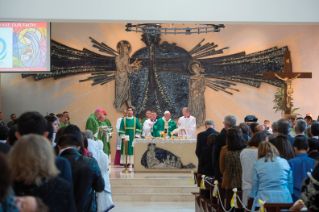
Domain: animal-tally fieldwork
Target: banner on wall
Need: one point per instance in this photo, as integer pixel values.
(24, 47)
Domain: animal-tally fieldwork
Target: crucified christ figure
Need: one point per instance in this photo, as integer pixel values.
(289, 88)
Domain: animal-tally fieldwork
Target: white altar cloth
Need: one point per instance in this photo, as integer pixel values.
(161, 141)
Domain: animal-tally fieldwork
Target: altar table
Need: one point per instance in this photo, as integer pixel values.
(164, 155)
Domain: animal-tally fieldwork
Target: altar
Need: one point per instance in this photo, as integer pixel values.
(165, 155)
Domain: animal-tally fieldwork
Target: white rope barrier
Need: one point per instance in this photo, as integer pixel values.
(221, 200)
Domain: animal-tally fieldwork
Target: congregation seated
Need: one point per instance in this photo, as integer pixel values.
(34, 173)
(283, 127)
(4, 147)
(248, 157)
(87, 177)
(35, 123)
(235, 144)
(300, 165)
(229, 121)
(284, 147)
(253, 128)
(205, 161)
(12, 134)
(314, 130)
(274, 128)
(271, 177)
(245, 129)
(300, 128)
(308, 119)
(313, 151)
(202, 139)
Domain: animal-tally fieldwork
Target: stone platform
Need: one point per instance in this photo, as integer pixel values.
(150, 187)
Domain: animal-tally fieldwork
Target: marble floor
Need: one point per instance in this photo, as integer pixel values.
(154, 207)
(116, 173)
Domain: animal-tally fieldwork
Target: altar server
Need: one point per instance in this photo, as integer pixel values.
(187, 124)
(129, 126)
(147, 116)
(118, 139)
(164, 124)
(148, 124)
(93, 124)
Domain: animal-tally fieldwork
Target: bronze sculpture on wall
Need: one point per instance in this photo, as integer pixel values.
(166, 80)
(196, 99)
(122, 81)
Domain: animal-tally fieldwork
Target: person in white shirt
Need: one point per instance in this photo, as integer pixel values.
(187, 123)
(118, 139)
(148, 124)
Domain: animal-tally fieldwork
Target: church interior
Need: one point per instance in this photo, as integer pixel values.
(169, 106)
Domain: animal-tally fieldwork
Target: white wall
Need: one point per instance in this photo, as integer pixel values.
(163, 11)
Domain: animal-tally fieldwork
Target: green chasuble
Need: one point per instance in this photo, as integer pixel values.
(129, 127)
(92, 124)
(105, 138)
(160, 125)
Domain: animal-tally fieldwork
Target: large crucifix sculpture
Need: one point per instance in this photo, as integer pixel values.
(287, 76)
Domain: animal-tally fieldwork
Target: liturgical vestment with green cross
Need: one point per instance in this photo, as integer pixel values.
(105, 137)
(129, 126)
(92, 124)
(159, 126)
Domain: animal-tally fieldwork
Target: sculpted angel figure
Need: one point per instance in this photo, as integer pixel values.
(289, 88)
(196, 99)
(122, 82)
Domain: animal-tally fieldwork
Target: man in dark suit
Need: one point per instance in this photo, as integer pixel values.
(284, 127)
(87, 177)
(202, 138)
(35, 123)
(229, 122)
(4, 148)
(13, 117)
(314, 131)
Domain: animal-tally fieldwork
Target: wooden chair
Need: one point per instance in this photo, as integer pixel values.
(215, 205)
(250, 203)
(203, 200)
(198, 195)
(276, 207)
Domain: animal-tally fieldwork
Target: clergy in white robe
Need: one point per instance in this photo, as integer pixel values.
(187, 124)
(148, 124)
(118, 139)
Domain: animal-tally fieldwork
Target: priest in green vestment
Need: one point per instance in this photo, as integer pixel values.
(129, 126)
(93, 123)
(105, 134)
(164, 123)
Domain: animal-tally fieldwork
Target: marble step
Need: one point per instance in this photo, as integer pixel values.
(151, 197)
(142, 189)
(152, 181)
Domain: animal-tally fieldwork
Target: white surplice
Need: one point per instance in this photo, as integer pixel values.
(189, 124)
(118, 138)
(147, 130)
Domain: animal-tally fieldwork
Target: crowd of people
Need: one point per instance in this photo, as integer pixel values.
(48, 164)
(276, 164)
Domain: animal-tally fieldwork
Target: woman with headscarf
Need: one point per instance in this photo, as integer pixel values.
(104, 198)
